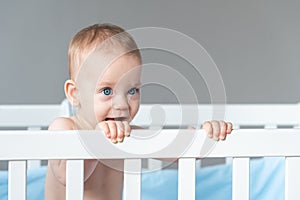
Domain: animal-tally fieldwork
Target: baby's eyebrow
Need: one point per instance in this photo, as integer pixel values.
(106, 83)
(137, 84)
(113, 84)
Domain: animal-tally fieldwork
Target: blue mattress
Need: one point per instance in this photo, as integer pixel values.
(213, 183)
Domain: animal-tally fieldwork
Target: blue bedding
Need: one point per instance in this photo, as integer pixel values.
(213, 183)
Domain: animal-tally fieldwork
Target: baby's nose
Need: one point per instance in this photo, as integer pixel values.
(120, 102)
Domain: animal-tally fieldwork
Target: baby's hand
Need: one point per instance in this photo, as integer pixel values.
(115, 130)
(217, 129)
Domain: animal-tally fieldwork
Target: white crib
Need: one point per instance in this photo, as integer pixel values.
(277, 136)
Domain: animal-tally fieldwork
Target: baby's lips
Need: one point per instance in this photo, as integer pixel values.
(116, 119)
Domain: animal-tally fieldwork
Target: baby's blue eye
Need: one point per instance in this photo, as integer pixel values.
(132, 91)
(107, 91)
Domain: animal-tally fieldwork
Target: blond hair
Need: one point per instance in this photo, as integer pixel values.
(88, 39)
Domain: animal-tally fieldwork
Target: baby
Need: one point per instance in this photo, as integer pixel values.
(104, 86)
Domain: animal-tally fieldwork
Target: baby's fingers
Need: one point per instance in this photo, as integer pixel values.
(113, 131)
(121, 131)
(104, 127)
(229, 127)
(127, 128)
(216, 130)
(207, 126)
(223, 129)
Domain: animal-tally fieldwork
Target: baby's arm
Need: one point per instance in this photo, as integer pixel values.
(58, 167)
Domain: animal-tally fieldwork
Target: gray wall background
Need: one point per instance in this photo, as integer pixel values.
(255, 44)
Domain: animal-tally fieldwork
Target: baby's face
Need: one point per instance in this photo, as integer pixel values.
(117, 91)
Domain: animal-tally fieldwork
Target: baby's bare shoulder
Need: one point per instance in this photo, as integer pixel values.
(62, 123)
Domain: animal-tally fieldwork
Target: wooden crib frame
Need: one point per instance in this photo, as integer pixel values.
(241, 145)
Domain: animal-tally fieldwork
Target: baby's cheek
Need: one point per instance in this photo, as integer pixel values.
(134, 103)
(135, 97)
(101, 108)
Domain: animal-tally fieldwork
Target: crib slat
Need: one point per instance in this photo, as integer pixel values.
(33, 163)
(228, 160)
(74, 179)
(17, 180)
(186, 178)
(132, 179)
(292, 178)
(240, 178)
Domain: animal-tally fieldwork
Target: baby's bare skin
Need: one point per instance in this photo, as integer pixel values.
(101, 180)
(104, 183)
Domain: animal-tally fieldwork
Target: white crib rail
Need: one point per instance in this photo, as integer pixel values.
(264, 115)
(241, 145)
(269, 115)
(36, 145)
(28, 115)
(241, 114)
(32, 117)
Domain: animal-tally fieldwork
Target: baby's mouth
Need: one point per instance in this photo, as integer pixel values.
(116, 119)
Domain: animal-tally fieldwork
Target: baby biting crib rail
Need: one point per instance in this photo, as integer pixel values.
(20, 146)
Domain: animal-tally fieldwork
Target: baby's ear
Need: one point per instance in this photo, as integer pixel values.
(71, 93)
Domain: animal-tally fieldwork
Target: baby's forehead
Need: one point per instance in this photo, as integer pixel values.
(105, 58)
(110, 66)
